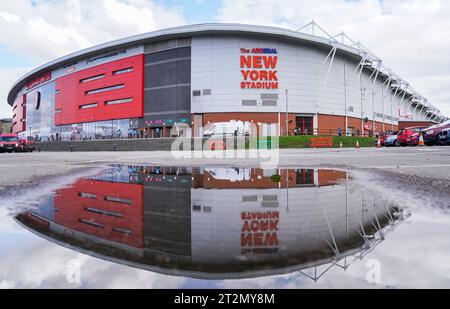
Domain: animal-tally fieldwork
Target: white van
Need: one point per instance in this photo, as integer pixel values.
(216, 129)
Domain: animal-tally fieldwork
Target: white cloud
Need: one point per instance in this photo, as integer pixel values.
(411, 36)
(51, 29)
(8, 77)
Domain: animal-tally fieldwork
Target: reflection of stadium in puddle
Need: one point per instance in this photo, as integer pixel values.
(217, 223)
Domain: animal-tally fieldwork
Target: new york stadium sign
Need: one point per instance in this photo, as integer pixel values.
(259, 68)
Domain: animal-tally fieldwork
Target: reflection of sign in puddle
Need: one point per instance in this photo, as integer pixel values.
(216, 222)
(259, 234)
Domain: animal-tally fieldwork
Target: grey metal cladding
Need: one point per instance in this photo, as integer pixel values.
(183, 71)
(184, 98)
(159, 75)
(269, 96)
(169, 73)
(168, 99)
(269, 102)
(248, 102)
(167, 82)
(168, 55)
(160, 100)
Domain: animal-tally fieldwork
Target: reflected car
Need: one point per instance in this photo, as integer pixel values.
(9, 143)
(432, 135)
(391, 140)
(409, 136)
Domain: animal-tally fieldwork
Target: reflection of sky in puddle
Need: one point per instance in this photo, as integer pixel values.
(241, 224)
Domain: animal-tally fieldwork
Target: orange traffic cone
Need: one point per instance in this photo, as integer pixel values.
(378, 143)
(357, 144)
(421, 142)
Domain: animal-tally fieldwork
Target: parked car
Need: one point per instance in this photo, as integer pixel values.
(409, 136)
(432, 134)
(9, 143)
(385, 135)
(26, 145)
(444, 137)
(391, 139)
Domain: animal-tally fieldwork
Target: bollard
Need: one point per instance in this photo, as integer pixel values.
(71, 148)
(39, 148)
(115, 146)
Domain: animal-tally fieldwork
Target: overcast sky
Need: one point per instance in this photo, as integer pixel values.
(411, 36)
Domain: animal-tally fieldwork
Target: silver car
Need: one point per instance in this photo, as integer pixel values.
(391, 140)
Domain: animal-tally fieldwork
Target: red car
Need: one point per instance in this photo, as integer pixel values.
(434, 134)
(9, 143)
(26, 145)
(409, 136)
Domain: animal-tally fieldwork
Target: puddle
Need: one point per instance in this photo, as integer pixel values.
(216, 223)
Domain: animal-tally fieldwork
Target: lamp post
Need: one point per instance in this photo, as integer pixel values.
(287, 121)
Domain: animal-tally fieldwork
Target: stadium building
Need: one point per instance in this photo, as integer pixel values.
(198, 75)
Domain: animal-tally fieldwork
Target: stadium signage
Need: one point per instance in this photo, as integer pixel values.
(259, 232)
(40, 80)
(259, 68)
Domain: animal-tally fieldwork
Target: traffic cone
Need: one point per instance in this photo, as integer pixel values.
(378, 143)
(357, 144)
(421, 141)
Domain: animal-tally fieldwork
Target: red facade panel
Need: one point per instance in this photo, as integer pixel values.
(19, 114)
(75, 104)
(111, 211)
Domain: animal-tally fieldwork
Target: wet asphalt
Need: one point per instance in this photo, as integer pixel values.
(418, 170)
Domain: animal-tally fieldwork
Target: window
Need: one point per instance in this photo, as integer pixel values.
(103, 57)
(92, 223)
(92, 78)
(196, 93)
(57, 91)
(304, 177)
(269, 96)
(119, 101)
(269, 102)
(117, 200)
(100, 90)
(87, 195)
(104, 212)
(10, 139)
(122, 230)
(123, 71)
(206, 91)
(197, 208)
(86, 106)
(250, 198)
(248, 102)
(58, 110)
(38, 100)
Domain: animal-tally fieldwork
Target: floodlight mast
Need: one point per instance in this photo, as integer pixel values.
(370, 61)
